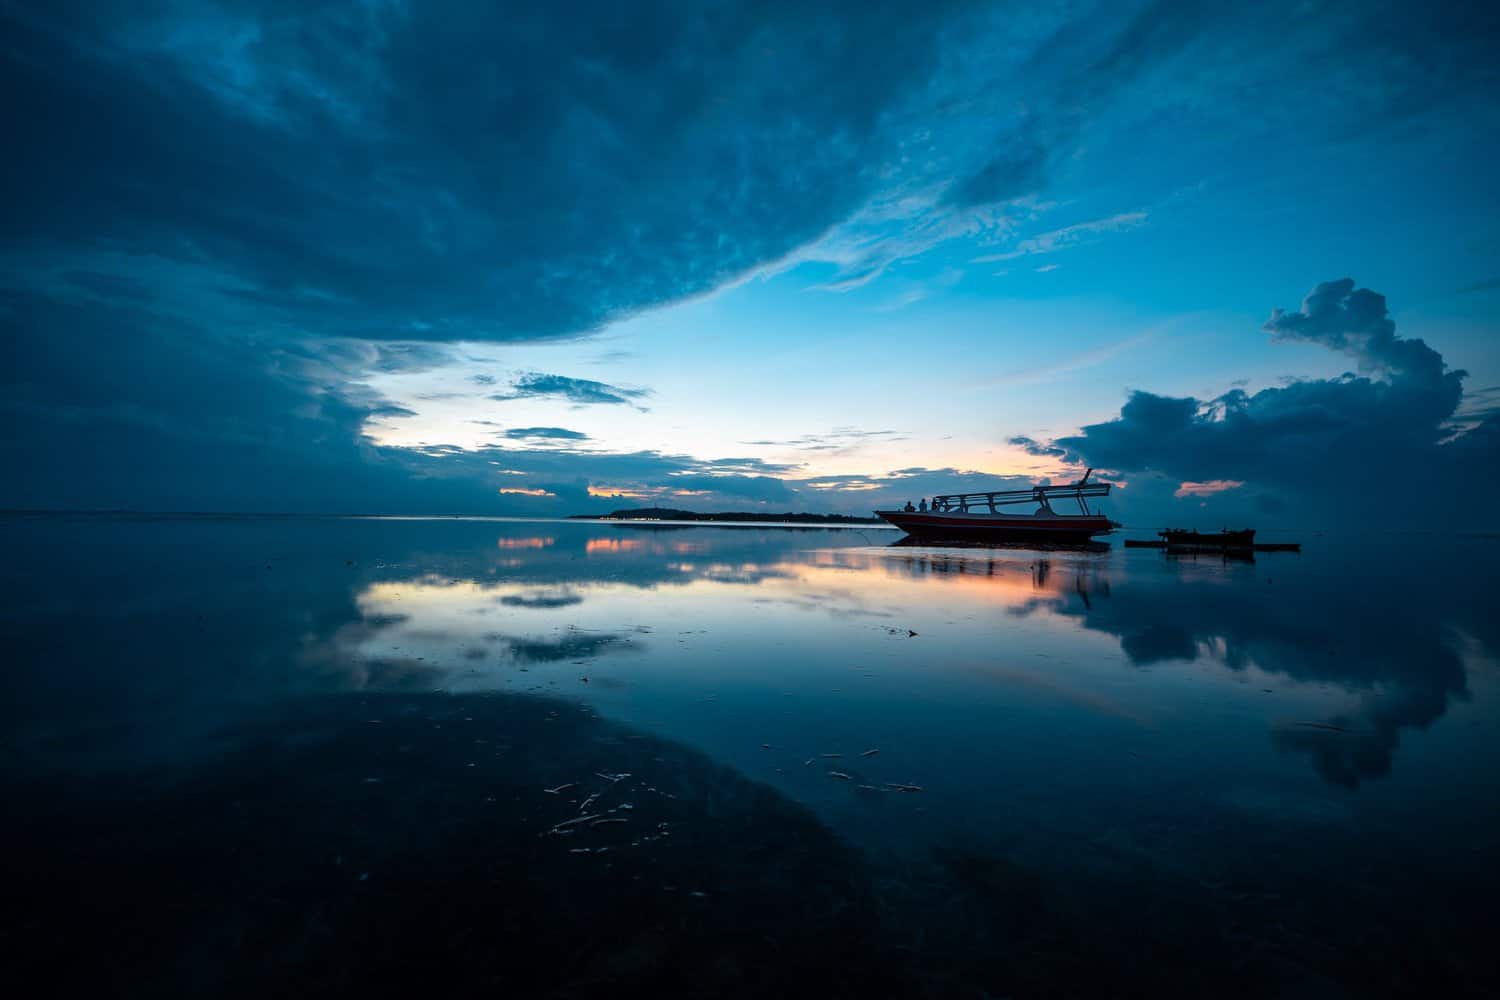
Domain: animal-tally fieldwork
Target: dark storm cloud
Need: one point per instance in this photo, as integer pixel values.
(451, 170)
(167, 417)
(1359, 443)
(575, 390)
(222, 218)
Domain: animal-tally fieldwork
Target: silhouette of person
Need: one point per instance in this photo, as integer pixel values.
(922, 504)
(909, 508)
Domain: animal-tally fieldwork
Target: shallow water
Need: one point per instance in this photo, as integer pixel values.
(245, 754)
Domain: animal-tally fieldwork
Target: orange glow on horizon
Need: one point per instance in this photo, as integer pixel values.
(610, 492)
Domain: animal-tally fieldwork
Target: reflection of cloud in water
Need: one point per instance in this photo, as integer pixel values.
(575, 645)
(1355, 620)
(528, 542)
(1349, 747)
(600, 546)
(541, 599)
(833, 603)
(720, 572)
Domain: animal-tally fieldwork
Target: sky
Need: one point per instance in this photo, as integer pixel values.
(389, 257)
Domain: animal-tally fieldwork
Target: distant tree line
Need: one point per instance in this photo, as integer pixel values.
(671, 514)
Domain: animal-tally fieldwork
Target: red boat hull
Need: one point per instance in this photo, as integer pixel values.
(998, 527)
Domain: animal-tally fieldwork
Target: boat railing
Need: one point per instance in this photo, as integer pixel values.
(1043, 495)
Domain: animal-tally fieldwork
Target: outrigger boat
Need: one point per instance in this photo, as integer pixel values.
(1224, 539)
(976, 515)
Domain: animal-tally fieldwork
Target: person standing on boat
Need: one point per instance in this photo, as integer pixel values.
(922, 505)
(909, 508)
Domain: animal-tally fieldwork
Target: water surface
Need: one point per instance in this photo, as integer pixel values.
(248, 753)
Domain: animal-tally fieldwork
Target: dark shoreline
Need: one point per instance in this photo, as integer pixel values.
(726, 517)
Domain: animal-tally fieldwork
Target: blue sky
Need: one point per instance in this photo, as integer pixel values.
(556, 259)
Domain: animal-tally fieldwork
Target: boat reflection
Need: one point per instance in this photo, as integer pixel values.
(908, 541)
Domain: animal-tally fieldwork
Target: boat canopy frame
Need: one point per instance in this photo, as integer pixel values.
(1044, 495)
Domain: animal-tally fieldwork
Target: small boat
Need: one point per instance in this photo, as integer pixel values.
(1225, 539)
(976, 515)
(1177, 542)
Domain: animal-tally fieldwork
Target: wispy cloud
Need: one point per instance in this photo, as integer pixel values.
(1061, 239)
(837, 440)
(1044, 373)
(1480, 286)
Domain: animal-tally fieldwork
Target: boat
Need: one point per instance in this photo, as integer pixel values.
(1178, 542)
(977, 515)
(1225, 539)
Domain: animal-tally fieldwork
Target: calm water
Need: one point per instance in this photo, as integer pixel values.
(249, 755)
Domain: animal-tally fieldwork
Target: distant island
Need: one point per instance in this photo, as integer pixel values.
(669, 514)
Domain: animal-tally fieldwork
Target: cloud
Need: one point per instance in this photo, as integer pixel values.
(1356, 447)
(1207, 489)
(863, 492)
(1356, 321)
(574, 645)
(252, 211)
(1049, 372)
(1037, 448)
(224, 219)
(839, 440)
(548, 433)
(543, 599)
(1012, 173)
(1480, 286)
(1068, 236)
(1397, 650)
(575, 390)
(445, 171)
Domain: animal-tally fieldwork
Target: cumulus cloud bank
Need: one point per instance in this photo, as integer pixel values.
(1360, 446)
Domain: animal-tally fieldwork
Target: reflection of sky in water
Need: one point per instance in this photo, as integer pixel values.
(1116, 702)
